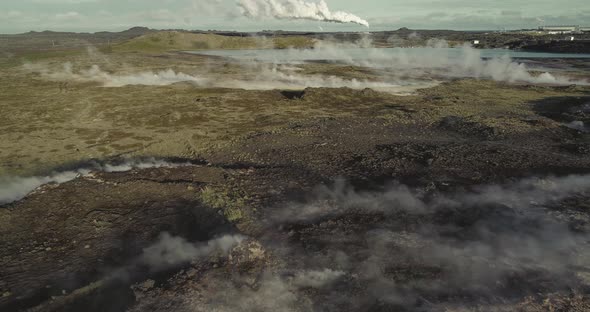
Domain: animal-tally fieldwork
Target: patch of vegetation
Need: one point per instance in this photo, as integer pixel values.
(9, 62)
(230, 202)
(36, 56)
(200, 45)
(298, 42)
(178, 41)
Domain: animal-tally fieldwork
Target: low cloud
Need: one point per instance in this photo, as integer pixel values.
(68, 16)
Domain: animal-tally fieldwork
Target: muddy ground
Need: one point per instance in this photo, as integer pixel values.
(467, 196)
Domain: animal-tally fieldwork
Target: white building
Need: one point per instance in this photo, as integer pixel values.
(560, 29)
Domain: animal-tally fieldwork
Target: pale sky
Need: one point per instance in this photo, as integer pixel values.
(114, 15)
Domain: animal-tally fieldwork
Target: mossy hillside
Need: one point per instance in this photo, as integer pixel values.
(182, 41)
(231, 203)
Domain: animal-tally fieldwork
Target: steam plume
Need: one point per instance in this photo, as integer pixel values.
(434, 60)
(297, 9)
(397, 71)
(400, 66)
(526, 193)
(95, 74)
(16, 188)
(479, 244)
(172, 250)
(317, 279)
(464, 250)
(267, 77)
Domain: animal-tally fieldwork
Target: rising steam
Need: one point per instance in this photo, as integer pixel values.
(397, 71)
(524, 194)
(436, 59)
(16, 188)
(266, 77)
(96, 74)
(403, 249)
(170, 251)
(407, 65)
(297, 9)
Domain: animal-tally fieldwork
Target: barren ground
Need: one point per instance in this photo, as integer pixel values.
(261, 160)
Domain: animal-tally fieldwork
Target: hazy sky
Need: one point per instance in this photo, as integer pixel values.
(93, 15)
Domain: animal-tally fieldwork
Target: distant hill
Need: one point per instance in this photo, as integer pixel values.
(47, 40)
(149, 40)
(131, 32)
(143, 39)
(183, 40)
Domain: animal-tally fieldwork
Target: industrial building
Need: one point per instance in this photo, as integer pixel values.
(564, 29)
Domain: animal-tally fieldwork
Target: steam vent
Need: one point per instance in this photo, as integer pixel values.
(294, 156)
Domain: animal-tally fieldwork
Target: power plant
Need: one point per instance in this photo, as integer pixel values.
(564, 29)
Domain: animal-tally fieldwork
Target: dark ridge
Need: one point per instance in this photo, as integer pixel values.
(121, 269)
(293, 95)
(564, 108)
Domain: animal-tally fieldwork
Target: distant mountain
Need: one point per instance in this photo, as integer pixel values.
(34, 40)
(134, 31)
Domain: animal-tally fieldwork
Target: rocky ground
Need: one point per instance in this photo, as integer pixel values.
(66, 237)
(403, 37)
(468, 196)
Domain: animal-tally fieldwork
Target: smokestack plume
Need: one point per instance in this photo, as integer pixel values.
(297, 9)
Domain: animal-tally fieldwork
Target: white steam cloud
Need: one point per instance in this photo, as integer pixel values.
(282, 77)
(272, 294)
(478, 238)
(402, 65)
(264, 77)
(170, 250)
(493, 244)
(317, 279)
(341, 199)
(434, 60)
(397, 70)
(577, 125)
(297, 9)
(96, 74)
(16, 188)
